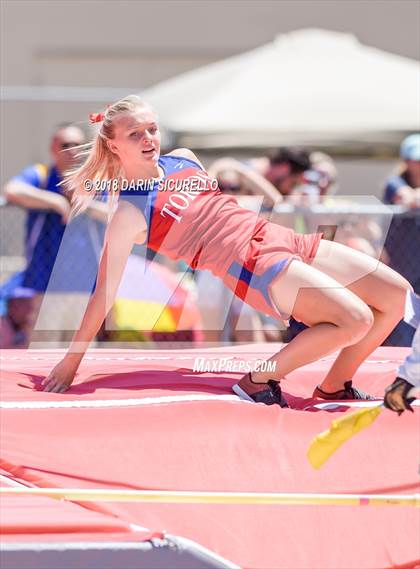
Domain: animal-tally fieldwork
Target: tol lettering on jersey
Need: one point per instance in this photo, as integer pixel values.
(179, 201)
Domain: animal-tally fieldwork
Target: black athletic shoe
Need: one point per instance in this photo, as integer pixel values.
(270, 393)
(348, 392)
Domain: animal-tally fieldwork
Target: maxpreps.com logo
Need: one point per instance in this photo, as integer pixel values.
(229, 364)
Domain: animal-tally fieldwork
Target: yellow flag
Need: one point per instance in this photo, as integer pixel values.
(325, 444)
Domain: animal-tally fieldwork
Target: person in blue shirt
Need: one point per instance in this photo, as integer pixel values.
(404, 187)
(37, 189)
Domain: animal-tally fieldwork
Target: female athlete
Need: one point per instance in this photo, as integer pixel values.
(350, 301)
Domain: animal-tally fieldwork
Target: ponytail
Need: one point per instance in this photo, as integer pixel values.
(99, 162)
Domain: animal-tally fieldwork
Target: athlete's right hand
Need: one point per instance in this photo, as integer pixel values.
(60, 377)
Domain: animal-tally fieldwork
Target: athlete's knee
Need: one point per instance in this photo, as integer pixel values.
(398, 306)
(402, 288)
(355, 321)
(396, 300)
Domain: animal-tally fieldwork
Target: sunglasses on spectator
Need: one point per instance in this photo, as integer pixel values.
(317, 177)
(67, 145)
(229, 187)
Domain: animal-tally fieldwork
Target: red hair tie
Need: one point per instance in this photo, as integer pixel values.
(96, 117)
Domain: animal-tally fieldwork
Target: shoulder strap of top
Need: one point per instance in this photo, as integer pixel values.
(173, 162)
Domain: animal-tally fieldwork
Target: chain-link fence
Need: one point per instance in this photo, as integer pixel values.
(388, 233)
(402, 245)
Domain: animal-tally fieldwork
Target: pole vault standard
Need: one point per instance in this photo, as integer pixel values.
(255, 498)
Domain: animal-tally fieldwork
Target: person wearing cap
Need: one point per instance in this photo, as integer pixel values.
(404, 187)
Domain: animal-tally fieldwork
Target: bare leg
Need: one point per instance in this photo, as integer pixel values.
(337, 317)
(378, 286)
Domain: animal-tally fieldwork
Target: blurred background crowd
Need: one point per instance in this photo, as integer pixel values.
(313, 130)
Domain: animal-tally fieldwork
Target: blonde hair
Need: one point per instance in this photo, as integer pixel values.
(99, 162)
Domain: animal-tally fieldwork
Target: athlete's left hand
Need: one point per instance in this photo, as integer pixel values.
(60, 377)
(396, 396)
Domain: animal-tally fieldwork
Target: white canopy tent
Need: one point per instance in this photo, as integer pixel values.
(308, 87)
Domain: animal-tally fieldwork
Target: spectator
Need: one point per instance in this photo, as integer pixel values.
(286, 169)
(402, 240)
(324, 173)
(403, 188)
(37, 188)
(318, 181)
(230, 182)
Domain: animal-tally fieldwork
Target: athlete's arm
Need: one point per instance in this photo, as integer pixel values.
(124, 226)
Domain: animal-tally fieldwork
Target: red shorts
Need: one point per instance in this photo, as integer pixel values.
(270, 251)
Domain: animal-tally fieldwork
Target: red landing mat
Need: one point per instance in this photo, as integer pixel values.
(39, 518)
(145, 420)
